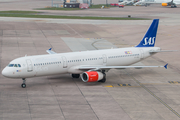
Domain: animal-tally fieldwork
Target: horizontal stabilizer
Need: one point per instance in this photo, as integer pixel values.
(163, 51)
(166, 66)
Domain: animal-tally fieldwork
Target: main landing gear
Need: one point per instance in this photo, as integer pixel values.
(23, 85)
(75, 75)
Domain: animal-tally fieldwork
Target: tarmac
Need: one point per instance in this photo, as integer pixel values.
(129, 94)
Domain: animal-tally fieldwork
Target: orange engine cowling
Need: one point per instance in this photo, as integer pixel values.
(92, 76)
(164, 4)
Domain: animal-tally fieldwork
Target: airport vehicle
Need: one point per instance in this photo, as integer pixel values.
(92, 65)
(121, 6)
(114, 4)
(171, 3)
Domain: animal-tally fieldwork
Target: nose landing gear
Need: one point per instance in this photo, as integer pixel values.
(23, 85)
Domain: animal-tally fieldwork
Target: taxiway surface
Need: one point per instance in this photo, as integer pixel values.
(128, 94)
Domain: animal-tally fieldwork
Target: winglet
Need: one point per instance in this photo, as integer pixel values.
(166, 66)
(50, 51)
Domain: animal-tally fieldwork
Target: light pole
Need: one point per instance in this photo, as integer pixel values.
(107, 3)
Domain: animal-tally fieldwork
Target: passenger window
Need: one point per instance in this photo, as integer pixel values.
(19, 65)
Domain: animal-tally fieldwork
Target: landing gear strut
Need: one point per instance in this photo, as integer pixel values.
(23, 85)
(75, 75)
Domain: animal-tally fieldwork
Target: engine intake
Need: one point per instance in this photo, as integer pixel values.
(92, 76)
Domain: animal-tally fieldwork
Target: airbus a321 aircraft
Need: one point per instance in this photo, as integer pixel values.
(92, 65)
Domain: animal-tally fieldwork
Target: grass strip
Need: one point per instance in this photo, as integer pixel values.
(18, 12)
(69, 17)
(100, 5)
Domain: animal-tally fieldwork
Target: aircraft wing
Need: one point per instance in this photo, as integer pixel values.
(115, 67)
(50, 51)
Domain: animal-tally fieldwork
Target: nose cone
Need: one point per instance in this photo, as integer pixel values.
(5, 72)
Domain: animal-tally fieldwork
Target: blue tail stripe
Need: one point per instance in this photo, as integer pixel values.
(150, 36)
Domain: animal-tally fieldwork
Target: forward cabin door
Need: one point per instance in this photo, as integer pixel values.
(104, 59)
(64, 62)
(29, 66)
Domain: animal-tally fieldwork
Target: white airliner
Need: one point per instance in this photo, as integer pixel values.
(172, 3)
(92, 65)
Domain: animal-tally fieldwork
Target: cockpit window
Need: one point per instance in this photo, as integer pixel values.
(10, 65)
(15, 65)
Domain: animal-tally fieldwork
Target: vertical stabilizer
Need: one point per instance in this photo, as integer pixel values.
(150, 36)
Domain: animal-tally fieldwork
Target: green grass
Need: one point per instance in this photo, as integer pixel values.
(100, 5)
(18, 12)
(68, 17)
(34, 14)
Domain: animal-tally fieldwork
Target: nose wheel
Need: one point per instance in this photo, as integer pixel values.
(23, 85)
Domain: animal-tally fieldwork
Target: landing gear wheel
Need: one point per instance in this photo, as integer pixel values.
(75, 75)
(23, 85)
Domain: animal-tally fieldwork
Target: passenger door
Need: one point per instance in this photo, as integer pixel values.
(29, 66)
(104, 59)
(64, 62)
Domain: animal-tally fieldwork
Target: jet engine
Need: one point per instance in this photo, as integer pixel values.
(164, 4)
(92, 76)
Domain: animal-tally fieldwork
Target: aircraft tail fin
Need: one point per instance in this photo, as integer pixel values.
(150, 36)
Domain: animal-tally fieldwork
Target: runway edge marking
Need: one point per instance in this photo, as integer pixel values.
(177, 114)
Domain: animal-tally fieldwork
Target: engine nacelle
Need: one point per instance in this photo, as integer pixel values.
(92, 76)
(164, 4)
